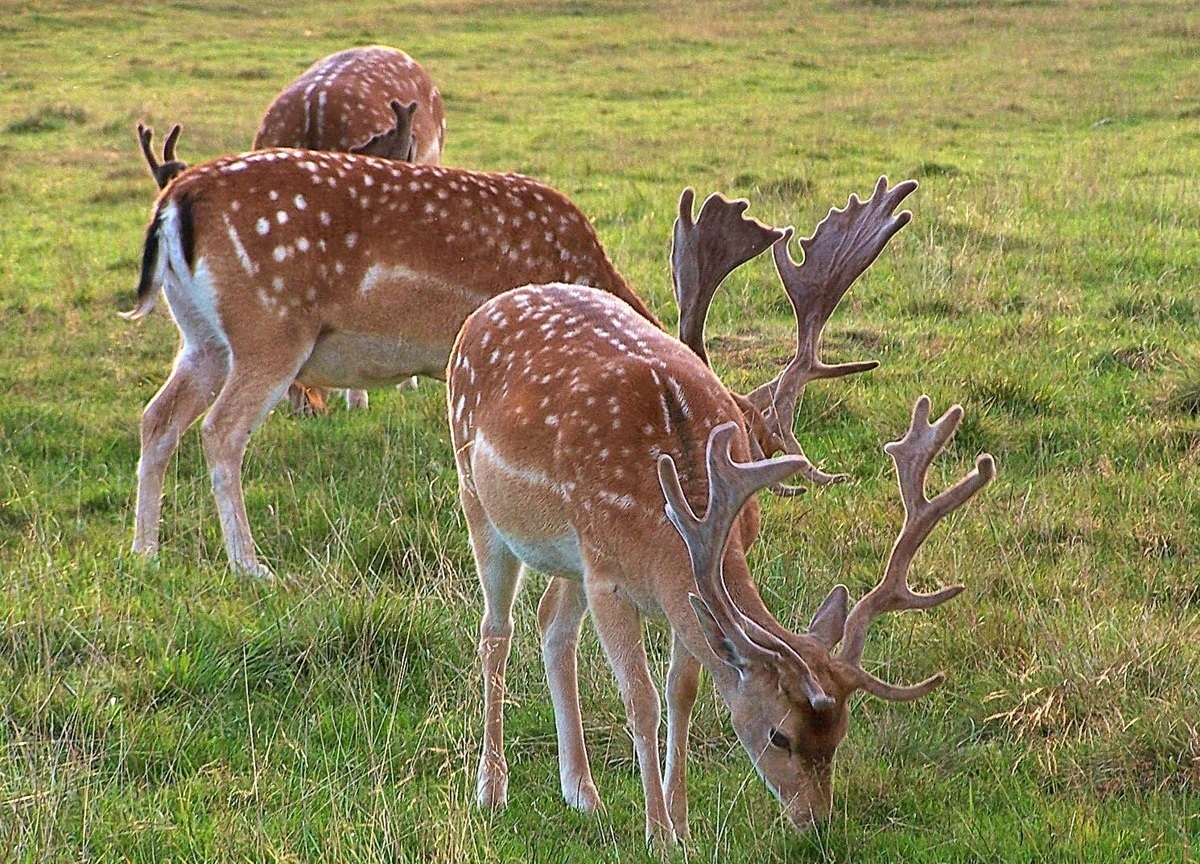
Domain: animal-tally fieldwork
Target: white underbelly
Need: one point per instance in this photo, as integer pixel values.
(364, 361)
(554, 557)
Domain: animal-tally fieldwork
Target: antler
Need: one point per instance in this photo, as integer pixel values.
(705, 251)
(397, 142)
(912, 454)
(844, 245)
(730, 485)
(164, 173)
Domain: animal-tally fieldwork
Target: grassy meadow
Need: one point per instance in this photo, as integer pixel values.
(173, 711)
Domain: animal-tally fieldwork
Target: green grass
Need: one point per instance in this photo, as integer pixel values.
(173, 711)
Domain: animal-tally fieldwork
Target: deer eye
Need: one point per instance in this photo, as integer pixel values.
(778, 739)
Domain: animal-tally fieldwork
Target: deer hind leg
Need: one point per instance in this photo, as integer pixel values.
(198, 375)
(560, 615)
(619, 626)
(499, 572)
(254, 386)
(683, 680)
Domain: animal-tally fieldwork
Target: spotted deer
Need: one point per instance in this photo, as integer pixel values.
(571, 417)
(372, 100)
(334, 269)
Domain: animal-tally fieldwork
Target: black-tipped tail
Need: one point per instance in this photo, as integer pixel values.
(147, 290)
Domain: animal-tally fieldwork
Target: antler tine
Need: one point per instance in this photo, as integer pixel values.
(844, 245)
(165, 172)
(145, 135)
(169, 144)
(730, 485)
(705, 251)
(912, 454)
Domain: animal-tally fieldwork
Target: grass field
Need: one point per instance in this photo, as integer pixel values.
(174, 711)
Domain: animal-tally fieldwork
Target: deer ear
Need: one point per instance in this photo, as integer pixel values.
(721, 645)
(829, 622)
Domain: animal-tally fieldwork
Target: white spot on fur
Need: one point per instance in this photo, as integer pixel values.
(238, 248)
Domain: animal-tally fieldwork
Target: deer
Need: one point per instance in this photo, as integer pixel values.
(585, 440)
(335, 269)
(371, 100)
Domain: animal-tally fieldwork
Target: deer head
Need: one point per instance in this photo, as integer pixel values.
(788, 694)
(165, 172)
(397, 142)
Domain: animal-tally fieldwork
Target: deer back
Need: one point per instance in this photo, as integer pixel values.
(343, 100)
(338, 242)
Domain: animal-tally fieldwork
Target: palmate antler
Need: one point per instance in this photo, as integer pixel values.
(912, 454)
(845, 244)
(730, 485)
(705, 251)
(164, 173)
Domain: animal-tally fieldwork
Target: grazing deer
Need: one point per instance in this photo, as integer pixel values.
(335, 269)
(372, 100)
(571, 417)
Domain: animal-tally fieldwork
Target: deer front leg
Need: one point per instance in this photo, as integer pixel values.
(683, 680)
(192, 386)
(499, 572)
(619, 626)
(560, 614)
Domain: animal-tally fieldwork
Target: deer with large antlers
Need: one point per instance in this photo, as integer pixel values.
(571, 417)
(333, 269)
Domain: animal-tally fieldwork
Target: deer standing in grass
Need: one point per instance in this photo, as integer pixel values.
(571, 417)
(373, 101)
(334, 269)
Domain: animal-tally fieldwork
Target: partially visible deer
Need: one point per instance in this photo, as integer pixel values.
(372, 100)
(571, 417)
(335, 269)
